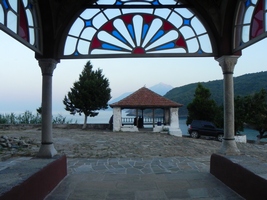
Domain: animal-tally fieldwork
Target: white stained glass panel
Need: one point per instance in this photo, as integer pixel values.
(99, 20)
(25, 2)
(168, 37)
(110, 39)
(12, 21)
(184, 12)
(106, 2)
(89, 13)
(112, 13)
(153, 29)
(192, 45)
(127, 11)
(1, 15)
(205, 43)
(137, 3)
(167, 2)
(245, 33)
(102, 51)
(248, 15)
(174, 50)
(77, 27)
(70, 45)
(138, 24)
(122, 29)
(88, 33)
(254, 1)
(176, 20)
(14, 5)
(198, 27)
(32, 36)
(163, 12)
(187, 32)
(29, 17)
(83, 47)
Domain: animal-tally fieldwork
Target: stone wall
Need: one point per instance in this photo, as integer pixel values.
(38, 126)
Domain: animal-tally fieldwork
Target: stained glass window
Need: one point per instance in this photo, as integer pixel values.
(18, 18)
(127, 28)
(250, 23)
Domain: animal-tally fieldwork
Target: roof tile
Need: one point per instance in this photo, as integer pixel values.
(145, 98)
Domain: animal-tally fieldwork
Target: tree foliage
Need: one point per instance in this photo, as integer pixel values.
(89, 94)
(203, 107)
(256, 117)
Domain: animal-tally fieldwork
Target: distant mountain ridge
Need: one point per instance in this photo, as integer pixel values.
(244, 85)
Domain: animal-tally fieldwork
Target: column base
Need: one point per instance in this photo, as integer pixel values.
(175, 132)
(47, 151)
(229, 148)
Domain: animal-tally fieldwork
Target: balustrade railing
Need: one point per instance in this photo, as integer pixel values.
(146, 120)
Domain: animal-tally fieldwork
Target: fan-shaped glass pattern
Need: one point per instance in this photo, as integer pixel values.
(128, 28)
(18, 18)
(250, 23)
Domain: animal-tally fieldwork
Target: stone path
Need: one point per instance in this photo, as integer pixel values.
(140, 179)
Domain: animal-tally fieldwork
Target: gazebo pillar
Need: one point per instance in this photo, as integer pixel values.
(47, 149)
(116, 119)
(174, 124)
(227, 64)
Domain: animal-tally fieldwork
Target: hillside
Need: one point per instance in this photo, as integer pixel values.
(243, 85)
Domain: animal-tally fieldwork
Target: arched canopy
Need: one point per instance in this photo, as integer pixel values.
(147, 28)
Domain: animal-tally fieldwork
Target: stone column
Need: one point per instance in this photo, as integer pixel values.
(116, 119)
(227, 64)
(47, 149)
(174, 123)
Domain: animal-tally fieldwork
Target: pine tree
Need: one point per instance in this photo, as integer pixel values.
(88, 95)
(202, 107)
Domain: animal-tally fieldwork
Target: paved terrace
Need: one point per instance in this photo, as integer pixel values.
(106, 165)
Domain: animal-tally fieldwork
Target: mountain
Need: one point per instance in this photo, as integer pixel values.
(160, 88)
(244, 85)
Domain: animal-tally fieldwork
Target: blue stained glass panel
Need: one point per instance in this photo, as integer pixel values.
(119, 36)
(155, 2)
(166, 46)
(248, 3)
(131, 31)
(88, 23)
(110, 47)
(118, 3)
(145, 29)
(5, 4)
(187, 22)
(157, 36)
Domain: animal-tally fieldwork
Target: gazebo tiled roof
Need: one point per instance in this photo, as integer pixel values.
(145, 98)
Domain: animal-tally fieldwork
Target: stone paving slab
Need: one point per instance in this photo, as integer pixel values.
(138, 179)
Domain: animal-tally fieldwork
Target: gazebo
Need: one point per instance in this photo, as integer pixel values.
(146, 99)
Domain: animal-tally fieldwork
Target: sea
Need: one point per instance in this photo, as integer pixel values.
(104, 116)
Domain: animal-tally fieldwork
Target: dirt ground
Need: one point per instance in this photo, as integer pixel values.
(77, 143)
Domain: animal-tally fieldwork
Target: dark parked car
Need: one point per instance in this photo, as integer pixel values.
(205, 128)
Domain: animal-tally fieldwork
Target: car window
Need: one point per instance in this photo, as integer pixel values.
(208, 126)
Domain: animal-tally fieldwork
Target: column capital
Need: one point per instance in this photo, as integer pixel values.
(227, 63)
(47, 66)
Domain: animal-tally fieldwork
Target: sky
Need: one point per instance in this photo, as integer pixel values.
(21, 79)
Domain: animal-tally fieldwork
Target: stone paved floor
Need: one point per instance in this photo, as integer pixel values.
(140, 179)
